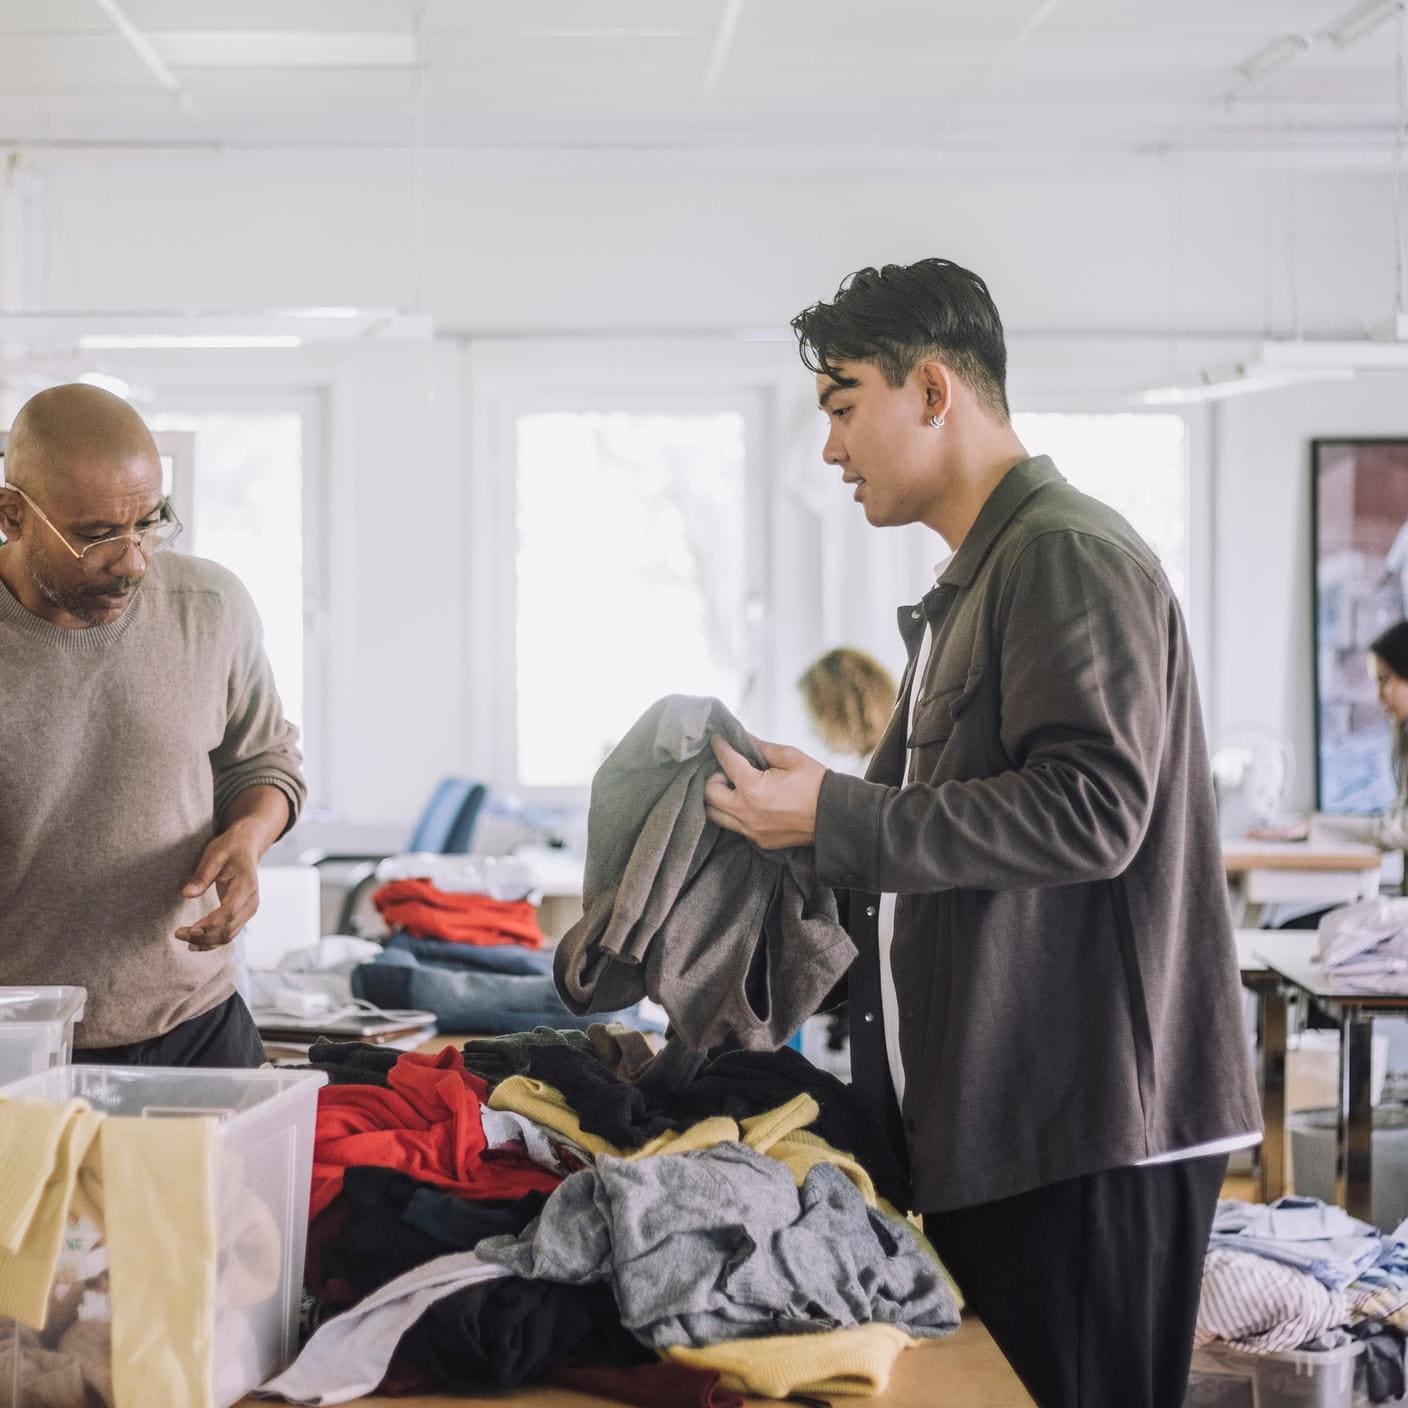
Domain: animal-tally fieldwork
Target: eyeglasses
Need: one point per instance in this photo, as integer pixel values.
(108, 551)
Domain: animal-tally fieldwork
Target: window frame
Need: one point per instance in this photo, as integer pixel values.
(310, 402)
(508, 382)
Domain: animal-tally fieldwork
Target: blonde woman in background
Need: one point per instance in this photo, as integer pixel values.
(849, 697)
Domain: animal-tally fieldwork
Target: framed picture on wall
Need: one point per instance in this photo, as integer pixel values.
(1359, 531)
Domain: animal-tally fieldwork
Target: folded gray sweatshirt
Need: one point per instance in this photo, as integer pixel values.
(729, 939)
(719, 1244)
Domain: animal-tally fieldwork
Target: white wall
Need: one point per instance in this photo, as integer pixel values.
(527, 241)
(520, 244)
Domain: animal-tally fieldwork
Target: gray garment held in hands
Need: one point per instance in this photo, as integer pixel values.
(730, 940)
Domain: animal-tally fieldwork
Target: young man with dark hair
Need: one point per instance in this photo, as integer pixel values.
(1045, 1009)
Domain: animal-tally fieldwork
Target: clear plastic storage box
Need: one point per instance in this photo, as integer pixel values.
(263, 1166)
(1294, 1378)
(36, 1029)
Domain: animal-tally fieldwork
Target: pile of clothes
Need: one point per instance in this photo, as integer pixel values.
(1366, 944)
(518, 1211)
(1301, 1274)
(466, 945)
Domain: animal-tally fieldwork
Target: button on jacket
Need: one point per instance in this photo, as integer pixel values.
(1063, 952)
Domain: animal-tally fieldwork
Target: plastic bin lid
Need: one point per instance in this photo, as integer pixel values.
(31, 1006)
(1303, 1358)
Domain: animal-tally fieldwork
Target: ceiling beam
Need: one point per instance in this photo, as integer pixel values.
(147, 52)
(723, 42)
(1036, 17)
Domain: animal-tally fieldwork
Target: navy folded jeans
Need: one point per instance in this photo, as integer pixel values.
(489, 958)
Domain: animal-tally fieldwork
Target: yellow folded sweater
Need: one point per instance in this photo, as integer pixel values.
(150, 1185)
(159, 1186)
(781, 1133)
(546, 1105)
(42, 1147)
(852, 1361)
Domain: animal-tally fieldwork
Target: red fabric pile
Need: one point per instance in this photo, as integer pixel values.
(427, 1125)
(426, 912)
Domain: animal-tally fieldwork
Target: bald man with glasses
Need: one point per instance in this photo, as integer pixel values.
(145, 761)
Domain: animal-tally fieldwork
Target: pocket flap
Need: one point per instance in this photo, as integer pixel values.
(937, 711)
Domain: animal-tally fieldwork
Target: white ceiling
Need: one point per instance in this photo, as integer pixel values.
(1035, 77)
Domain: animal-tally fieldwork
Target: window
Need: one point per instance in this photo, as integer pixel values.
(1136, 463)
(634, 573)
(247, 513)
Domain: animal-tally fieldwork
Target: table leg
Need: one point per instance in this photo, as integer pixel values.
(1271, 1077)
(1354, 1145)
(1239, 906)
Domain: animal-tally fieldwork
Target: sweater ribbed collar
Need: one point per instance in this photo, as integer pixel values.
(12, 613)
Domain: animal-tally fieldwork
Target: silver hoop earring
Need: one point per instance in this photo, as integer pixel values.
(937, 422)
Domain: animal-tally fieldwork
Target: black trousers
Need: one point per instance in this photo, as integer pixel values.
(224, 1036)
(1090, 1287)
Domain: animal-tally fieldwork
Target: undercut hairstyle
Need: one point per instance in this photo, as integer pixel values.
(903, 315)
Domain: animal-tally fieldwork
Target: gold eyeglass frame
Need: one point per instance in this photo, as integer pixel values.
(168, 516)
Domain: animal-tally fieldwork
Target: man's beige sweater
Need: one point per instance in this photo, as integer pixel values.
(121, 747)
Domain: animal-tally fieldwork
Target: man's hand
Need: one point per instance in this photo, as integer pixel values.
(231, 864)
(255, 819)
(772, 808)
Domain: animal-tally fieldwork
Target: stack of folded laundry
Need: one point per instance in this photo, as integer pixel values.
(519, 1211)
(1366, 944)
(1301, 1274)
(478, 900)
(466, 945)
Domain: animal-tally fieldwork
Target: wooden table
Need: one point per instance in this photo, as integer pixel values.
(558, 876)
(964, 1371)
(1291, 956)
(1297, 872)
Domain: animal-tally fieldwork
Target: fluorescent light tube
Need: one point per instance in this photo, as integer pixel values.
(1360, 22)
(1362, 355)
(1275, 56)
(1242, 381)
(114, 342)
(286, 48)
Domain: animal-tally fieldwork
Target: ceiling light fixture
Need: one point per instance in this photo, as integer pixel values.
(167, 330)
(163, 342)
(286, 49)
(1242, 380)
(1296, 360)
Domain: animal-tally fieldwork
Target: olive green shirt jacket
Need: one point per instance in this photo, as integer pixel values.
(1063, 954)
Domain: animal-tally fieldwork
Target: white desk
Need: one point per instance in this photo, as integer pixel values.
(1291, 957)
(1297, 872)
(558, 876)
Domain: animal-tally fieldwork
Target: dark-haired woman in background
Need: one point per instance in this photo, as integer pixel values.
(1388, 656)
